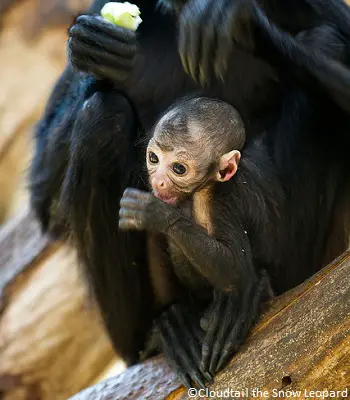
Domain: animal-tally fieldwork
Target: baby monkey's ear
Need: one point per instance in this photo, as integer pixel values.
(228, 166)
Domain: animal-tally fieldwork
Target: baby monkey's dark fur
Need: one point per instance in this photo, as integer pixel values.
(213, 227)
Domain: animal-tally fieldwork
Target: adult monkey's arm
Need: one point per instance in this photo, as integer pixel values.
(72, 89)
(84, 148)
(52, 138)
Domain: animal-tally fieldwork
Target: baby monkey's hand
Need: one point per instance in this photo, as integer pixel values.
(142, 211)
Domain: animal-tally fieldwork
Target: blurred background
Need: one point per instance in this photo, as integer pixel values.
(52, 343)
(32, 53)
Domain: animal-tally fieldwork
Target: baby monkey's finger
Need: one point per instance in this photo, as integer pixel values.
(126, 212)
(135, 199)
(136, 194)
(127, 224)
(130, 203)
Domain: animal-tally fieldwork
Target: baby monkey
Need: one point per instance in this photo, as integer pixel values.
(203, 214)
(194, 146)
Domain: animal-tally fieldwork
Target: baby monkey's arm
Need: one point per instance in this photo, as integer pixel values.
(223, 264)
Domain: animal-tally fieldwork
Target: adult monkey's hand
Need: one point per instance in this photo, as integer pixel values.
(97, 46)
(208, 31)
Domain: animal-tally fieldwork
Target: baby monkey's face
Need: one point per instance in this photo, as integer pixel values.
(178, 171)
(184, 157)
(174, 172)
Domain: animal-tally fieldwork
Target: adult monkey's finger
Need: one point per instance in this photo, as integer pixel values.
(98, 24)
(105, 43)
(202, 11)
(194, 49)
(209, 38)
(183, 41)
(228, 17)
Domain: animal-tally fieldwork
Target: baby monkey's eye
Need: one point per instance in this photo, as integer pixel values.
(179, 169)
(153, 158)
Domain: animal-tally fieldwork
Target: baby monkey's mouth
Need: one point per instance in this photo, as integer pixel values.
(169, 198)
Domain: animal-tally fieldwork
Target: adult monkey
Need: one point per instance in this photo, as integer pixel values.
(86, 155)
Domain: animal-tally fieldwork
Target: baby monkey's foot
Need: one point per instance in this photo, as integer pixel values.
(228, 322)
(181, 338)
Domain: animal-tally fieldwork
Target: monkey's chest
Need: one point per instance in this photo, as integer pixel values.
(186, 273)
(199, 211)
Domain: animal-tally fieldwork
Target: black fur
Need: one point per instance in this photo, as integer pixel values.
(286, 82)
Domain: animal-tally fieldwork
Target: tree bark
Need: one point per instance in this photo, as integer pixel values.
(301, 344)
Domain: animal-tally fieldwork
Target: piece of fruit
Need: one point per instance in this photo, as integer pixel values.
(126, 15)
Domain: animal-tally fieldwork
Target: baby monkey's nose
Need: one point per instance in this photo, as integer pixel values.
(159, 184)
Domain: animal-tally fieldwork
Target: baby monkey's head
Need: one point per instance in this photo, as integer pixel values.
(194, 144)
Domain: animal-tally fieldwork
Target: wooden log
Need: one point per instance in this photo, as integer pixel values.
(52, 343)
(301, 344)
